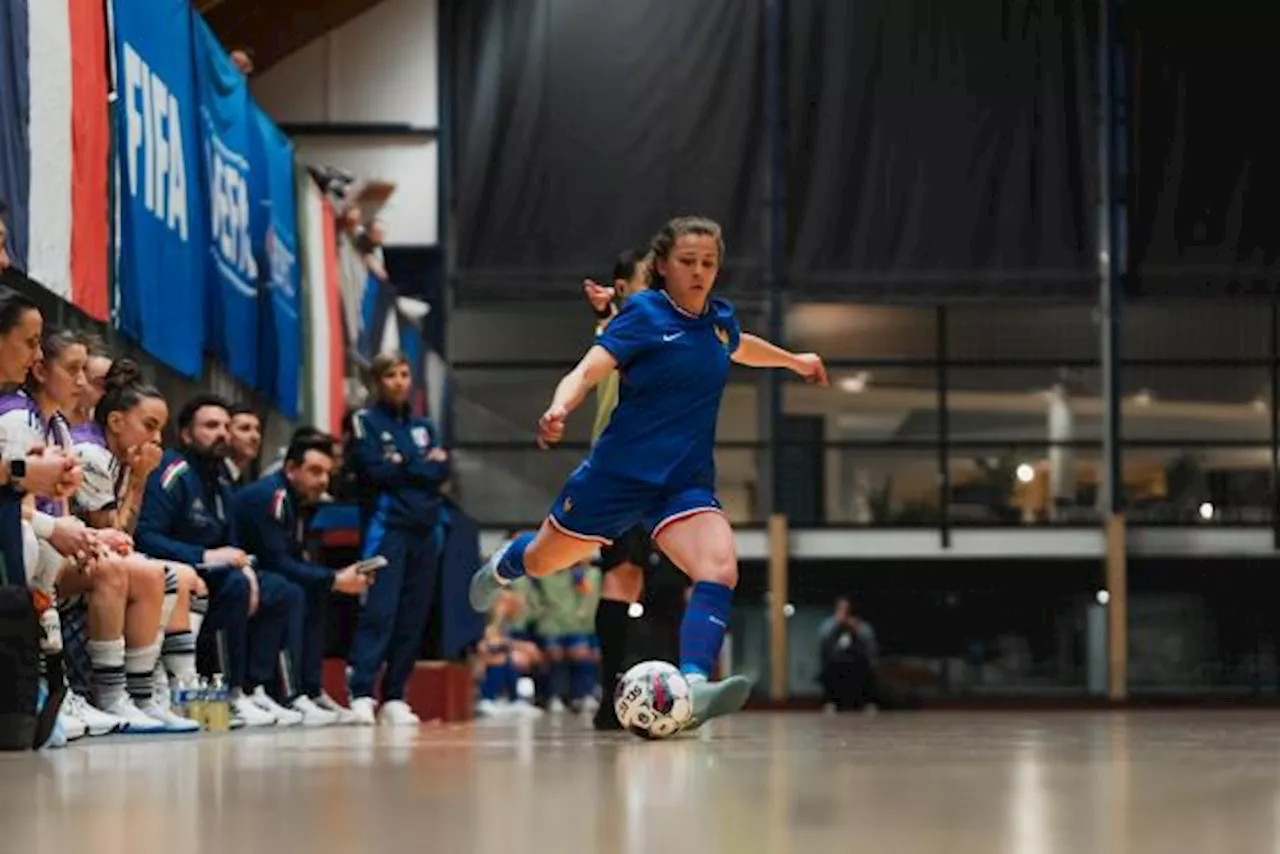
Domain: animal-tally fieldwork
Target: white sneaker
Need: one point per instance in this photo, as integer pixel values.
(135, 720)
(249, 714)
(72, 728)
(362, 711)
(556, 706)
(397, 713)
(283, 716)
(345, 716)
(525, 709)
(96, 721)
(488, 709)
(312, 714)
(160, 710)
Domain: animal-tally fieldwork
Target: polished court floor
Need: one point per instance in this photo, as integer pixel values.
(930, 782)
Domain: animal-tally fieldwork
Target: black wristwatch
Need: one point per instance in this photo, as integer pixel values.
(17, 471)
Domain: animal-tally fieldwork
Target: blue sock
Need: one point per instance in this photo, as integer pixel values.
(494, 681)
(560, 679)
(584, 681)
(703, 627)
(511, 566)
(513, 682)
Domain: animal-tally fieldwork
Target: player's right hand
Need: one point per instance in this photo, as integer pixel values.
(598, 295)
(551, 426)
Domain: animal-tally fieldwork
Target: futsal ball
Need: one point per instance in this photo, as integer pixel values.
(652, 700)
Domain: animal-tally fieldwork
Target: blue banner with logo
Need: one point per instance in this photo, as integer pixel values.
(163, 231)
(237, 209)
(280, 340)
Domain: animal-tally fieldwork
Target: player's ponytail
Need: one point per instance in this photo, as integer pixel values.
(123, 388)
(665, 240)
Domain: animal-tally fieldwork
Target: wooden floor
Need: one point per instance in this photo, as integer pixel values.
(1074, 783)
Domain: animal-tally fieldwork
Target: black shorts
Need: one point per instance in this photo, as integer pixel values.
(633, 547)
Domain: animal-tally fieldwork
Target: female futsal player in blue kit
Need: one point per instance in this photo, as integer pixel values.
(654, 463)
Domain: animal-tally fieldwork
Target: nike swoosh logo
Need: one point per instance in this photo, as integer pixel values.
(672, 337)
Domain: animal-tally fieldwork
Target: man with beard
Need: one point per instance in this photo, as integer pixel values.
(186, 516)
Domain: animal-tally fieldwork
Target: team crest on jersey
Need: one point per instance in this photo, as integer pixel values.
(722, 335)
(170, 476)
(567, 506)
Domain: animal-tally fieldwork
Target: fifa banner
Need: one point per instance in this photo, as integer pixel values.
(162, 230)
(280, 339)
(237, 210)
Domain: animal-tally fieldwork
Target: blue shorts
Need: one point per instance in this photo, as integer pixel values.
(600, 507)
(568, 642)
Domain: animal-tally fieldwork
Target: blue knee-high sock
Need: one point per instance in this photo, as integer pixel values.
(703, 627)
(584, 678)
(513, 681)
(511, 566)
(495, 680)
(560, 679)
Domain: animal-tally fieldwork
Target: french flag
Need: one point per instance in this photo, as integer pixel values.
(55, 137)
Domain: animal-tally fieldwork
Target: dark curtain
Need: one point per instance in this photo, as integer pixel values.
(1206, 149)
(580, 127)
(943, 149)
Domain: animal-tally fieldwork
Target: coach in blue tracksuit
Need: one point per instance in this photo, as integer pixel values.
(399, 467)
(186, 516)
(270, 519)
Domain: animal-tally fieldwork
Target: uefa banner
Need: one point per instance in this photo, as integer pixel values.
(163, 233)
(280, 339)
(237, 209)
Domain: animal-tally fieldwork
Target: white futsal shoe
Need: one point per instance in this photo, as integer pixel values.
(714, 699)
(363, 711)
(136, 721)
(345, 716)
(312, 714)
(248, 714)
(485, 583)
(96, 721)
(397, 713)
(283, 716)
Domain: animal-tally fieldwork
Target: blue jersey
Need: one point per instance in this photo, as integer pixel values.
(674, 366)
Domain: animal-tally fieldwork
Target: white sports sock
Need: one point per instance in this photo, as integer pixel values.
(107, 681)
(139, 665)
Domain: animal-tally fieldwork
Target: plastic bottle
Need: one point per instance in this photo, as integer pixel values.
(217, 710)
(198, 703)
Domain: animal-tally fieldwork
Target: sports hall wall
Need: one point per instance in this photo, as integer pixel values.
(941, 233)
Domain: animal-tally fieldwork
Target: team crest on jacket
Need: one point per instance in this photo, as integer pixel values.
(277, 504)
(722, 335)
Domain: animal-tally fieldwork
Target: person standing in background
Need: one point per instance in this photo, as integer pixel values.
(399, 466)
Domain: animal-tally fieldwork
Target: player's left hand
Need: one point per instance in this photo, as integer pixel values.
(551, 426)
(809, 366)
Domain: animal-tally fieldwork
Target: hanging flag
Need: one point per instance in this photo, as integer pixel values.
(160, 286)
(280, 338)
(53, 145)
(325, 402)
(236, 196)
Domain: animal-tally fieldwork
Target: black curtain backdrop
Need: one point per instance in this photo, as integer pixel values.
(1206, 154)
(943, 150)
(582, 126)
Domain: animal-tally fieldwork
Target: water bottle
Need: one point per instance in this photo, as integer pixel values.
(217, 710)
(198, 703)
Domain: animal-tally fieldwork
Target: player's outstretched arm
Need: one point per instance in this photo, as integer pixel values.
(755, 352)
(572, 390)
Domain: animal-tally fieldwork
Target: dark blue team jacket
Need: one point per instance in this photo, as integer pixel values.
(398, 487)
(186, 509)
(268, 518)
